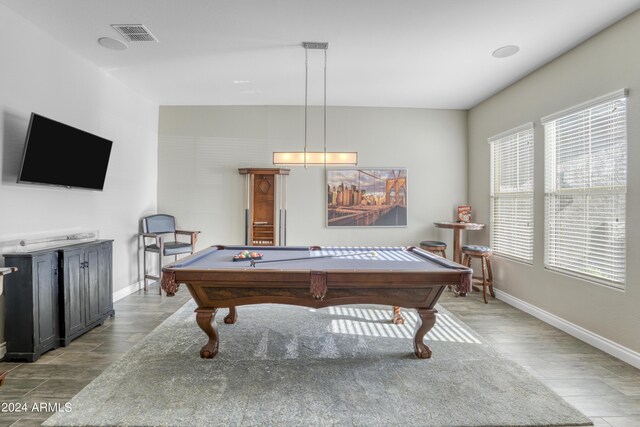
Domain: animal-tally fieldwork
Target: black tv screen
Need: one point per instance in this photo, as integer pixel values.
(58, 154)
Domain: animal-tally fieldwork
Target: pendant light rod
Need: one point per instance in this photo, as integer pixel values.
(314, 45)
(306, 97)
(324, 123)
(307, 157)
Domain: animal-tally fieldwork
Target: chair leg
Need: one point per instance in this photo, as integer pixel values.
(159, 273)
(483, 262)
(444, 255)
(144, 269)
(490, 278)
(466, 261)
(397, 316)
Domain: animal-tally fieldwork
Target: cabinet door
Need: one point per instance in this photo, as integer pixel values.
(45, 280)
(263, 221)
(73, 302)
(93, 283)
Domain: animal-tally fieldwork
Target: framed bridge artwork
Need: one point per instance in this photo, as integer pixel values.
(358, 197)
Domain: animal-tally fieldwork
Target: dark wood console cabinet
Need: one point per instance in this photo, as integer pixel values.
(56, 295)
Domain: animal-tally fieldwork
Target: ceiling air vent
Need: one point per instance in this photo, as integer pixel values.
(135, 32)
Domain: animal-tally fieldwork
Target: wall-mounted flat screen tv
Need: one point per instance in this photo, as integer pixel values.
(58, 154)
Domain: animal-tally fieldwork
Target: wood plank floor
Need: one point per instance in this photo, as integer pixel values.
(602, 387)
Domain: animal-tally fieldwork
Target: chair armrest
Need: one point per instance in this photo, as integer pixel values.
(7, 270)
(194, 237)
(157, 237)
(187, 232)
(3, 272)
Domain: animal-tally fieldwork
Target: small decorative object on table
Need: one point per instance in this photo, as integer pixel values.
(464, 213)
(247, 256)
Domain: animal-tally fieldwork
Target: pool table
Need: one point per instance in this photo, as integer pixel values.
(314, 277)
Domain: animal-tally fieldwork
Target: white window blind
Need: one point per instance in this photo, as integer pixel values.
(512, 193)
(585, 190)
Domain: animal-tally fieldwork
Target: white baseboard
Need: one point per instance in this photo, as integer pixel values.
(118, 295)
(616, 350)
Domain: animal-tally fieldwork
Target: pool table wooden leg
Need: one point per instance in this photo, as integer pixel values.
(205, 318)
(428, 319)
(231, 317)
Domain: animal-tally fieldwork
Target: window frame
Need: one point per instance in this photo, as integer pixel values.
(553, 192)
(496, 195)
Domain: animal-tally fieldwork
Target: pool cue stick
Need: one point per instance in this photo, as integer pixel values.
(254, 262)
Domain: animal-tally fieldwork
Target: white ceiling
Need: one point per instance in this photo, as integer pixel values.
(395, 53)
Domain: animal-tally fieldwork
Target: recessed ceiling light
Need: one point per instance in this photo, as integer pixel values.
(112, 44)
(504, 51)
(240, 82)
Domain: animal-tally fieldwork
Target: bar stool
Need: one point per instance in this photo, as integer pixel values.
(435, 247)
(483, 253)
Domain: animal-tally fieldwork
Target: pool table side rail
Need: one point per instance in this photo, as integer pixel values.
(176, 273)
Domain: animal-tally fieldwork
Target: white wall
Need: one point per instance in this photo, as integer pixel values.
(41, 75)
(201, 149)
(607, 62)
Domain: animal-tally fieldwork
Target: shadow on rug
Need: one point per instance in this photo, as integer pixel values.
(291, 366)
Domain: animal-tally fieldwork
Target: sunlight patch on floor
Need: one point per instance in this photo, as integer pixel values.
(373, 322)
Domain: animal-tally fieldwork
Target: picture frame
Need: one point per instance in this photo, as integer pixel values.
(366, 197)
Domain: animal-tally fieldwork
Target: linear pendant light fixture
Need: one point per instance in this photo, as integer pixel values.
(315, 158)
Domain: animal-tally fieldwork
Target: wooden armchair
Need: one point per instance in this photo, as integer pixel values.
(155, 230)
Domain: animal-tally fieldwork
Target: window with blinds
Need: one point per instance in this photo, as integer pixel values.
(585, 190)
(512, 193)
